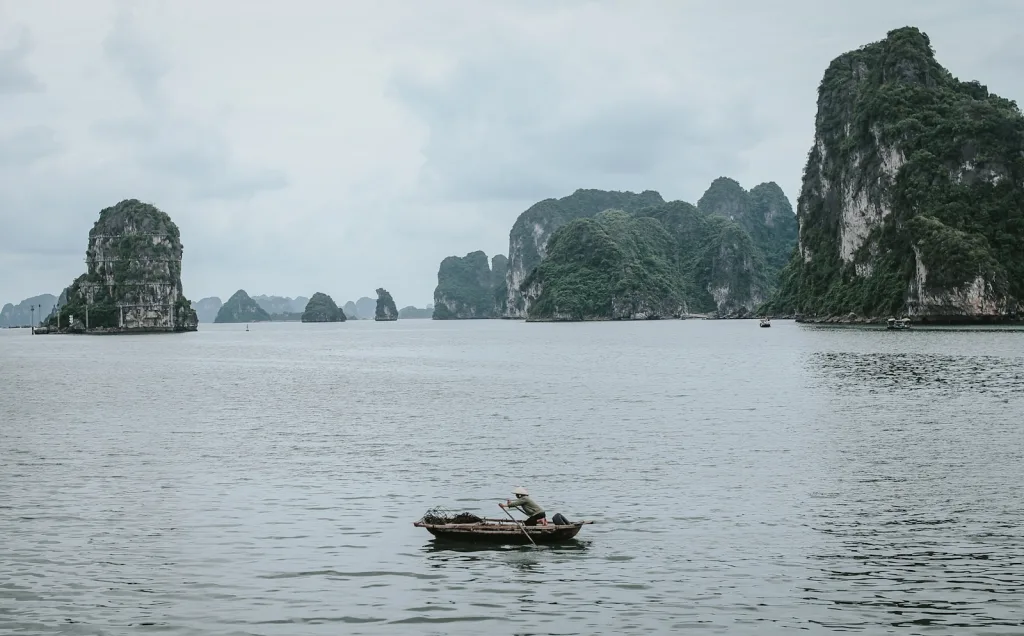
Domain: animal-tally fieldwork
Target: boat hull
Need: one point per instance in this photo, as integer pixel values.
(502, 533)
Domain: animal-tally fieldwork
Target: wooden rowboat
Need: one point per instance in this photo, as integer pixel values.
(501, 531)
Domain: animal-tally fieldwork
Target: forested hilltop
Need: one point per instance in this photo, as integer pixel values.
(597, 255)
(912, 200)
(666, 260)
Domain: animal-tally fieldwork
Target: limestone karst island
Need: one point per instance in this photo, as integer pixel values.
(912, 204)
(132, 281)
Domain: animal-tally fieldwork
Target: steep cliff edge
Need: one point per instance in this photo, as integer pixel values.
(322, 308)
(133, 275)
(241, 308)
(386, 309)
(468, 287)
(912, 199)
(528, 239)
(764, 213)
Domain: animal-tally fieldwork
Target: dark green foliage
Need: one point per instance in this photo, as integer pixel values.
(613, 266)
(134, 262)
(322, 308)
(957, 198)
(241, 308)
(546, 216)
(468, 287)
(666, 259)
(764, 213)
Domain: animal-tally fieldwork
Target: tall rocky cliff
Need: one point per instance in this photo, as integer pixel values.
(133, 275)
(467, 287)
(386, 309)
(912, 199)
(528, 239)
(764, 213)
(662, 261)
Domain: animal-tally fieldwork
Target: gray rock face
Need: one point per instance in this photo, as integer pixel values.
(468, 288)
(386, 309)
(133, 277)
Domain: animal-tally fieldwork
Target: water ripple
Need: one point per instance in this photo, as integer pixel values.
(742, 482)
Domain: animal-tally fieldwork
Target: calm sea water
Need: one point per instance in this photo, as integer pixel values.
(742, 480)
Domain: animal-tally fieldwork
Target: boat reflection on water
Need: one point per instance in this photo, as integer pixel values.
(457, 547)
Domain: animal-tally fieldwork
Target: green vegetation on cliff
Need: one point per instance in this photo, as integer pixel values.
(534, 227)
(133, 275)
(241, 308)
(664, 260)
(912, 199)
(322, 308)
(612, 266)
(468, 287)
(764, 213)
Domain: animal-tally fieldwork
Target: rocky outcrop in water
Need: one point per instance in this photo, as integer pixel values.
(385, 309)
(528, 239)
(29, 312)
(133, 275)
(321, 308)
(467, 287)
(912, 200)
(241, 308)
(666, 260)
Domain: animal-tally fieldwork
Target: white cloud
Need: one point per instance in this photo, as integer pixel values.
(342, 146)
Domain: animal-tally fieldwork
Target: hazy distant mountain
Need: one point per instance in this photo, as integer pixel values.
(350, 311)
(207, 308)
(22, 314)
(366, 308)
(281, 304)
(415, 312)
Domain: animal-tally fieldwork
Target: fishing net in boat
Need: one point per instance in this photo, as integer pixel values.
(440, 515)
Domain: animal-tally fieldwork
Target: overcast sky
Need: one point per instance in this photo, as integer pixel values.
(336, 146)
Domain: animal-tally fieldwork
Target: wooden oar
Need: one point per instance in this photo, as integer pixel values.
(518, 524)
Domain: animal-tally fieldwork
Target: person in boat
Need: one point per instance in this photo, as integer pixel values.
(535, 514)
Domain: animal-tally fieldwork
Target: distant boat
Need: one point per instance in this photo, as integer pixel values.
(247, 327)
(900, 323)
(766, 322)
